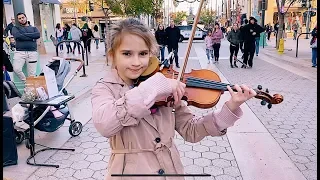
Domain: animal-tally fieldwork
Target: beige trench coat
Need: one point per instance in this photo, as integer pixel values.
(141, 142)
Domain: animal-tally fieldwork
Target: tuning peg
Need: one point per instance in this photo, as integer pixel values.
(269, 106)
(259, 87)
(263, 102)
(267, 90)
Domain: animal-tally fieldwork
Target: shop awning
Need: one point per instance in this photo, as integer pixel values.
(51, 1)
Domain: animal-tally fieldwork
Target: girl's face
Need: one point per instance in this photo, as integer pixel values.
(209, 33)
(216, 26)
(131, 58)
(161, 27)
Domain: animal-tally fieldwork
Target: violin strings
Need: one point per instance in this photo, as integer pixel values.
(206, 85)
(209, 81)
(218, 85)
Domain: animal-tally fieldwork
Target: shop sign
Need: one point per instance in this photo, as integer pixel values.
(6, 1)
(71, 10)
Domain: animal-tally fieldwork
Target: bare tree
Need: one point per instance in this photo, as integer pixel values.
(281, 15)
(37, 24)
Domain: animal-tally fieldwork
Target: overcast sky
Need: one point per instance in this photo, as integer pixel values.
(184, 6)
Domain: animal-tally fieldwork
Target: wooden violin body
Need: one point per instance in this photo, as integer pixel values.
(196, 96)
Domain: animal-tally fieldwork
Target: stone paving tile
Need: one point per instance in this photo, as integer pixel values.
(213, 155)
(293, 122)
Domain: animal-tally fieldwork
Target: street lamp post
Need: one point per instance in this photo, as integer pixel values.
(263, 9)
(308, 19)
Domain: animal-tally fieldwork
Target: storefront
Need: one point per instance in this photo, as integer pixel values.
(294, 15)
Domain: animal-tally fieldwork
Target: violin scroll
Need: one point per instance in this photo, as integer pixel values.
(267, 98)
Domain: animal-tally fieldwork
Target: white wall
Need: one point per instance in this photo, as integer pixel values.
(9, 12)
(28, 11)
(57, 15)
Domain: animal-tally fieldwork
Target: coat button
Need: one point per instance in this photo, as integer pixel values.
(161, 171)
(157, 139)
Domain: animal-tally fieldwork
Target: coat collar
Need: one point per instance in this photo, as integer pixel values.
(113, 77)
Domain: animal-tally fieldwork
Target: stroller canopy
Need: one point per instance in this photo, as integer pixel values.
(61, 68)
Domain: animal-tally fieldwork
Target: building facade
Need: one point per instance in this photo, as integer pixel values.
(77, 11)
(50, 14)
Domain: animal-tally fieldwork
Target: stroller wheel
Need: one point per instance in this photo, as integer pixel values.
(19, 137)
(75, 128)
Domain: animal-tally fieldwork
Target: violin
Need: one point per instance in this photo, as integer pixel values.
(203, 87)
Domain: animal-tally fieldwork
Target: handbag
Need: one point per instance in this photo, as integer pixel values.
(313, 42)
(69, 36)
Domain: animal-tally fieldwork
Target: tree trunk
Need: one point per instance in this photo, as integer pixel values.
(280, 30)
(37, 24)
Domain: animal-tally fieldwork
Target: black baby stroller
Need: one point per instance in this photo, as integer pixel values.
(45, 120)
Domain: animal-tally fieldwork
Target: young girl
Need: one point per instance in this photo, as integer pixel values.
(141, 136)
(217, 35)
(209, 48)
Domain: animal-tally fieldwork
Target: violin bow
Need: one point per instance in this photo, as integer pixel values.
(194, 27)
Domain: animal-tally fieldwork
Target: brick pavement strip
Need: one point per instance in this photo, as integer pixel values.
(293, 122)
(212, 155)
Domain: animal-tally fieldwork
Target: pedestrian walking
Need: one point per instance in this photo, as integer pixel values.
(86, 35)
(249, 36)
(313, 45)
(140, 133)
(173, 35)
(234, 38)
(209, 46)
(59, 35)
(96, 35)
(295, 28)
(242, 42)
(67, 36)
(268, 31)
(76, 35)
(25, 37)
(161, 37)
(258, 29)
(217, 35)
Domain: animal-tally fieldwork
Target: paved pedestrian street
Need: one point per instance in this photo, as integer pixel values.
(265, 144)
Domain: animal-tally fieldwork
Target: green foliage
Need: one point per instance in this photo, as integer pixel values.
(179, 16)
(207, 16)
(130, 7)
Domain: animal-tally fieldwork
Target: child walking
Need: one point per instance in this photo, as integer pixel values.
(209, 44)
(140, 134)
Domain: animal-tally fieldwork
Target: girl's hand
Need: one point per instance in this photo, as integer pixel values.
(178, 90)
(243, 94)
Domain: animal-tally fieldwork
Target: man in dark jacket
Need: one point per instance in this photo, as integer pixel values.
(250, 32)
(241, 43)
(26, 37)
(173, 34)
(9, 27)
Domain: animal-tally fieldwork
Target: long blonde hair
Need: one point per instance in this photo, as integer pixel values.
(131, 26)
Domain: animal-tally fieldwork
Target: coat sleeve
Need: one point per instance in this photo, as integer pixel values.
(213, 124)
(110, 115)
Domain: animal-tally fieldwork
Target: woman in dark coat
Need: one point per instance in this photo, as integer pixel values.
(161, 37)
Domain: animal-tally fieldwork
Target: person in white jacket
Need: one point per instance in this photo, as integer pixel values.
(96, 35)
(59, 35)
(76, 35)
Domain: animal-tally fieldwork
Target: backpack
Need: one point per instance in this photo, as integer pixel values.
(85, 32)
